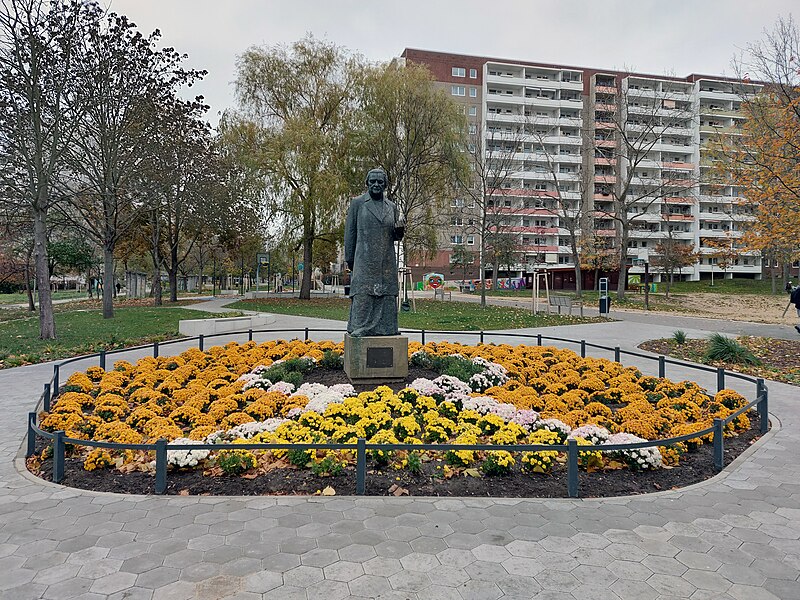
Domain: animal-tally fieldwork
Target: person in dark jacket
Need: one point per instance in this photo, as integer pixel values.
(795, 299)
(373, 226)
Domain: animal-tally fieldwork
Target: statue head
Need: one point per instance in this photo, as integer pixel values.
(377, 181)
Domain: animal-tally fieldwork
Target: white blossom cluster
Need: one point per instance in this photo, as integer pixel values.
(638, 458)
(188, 457)
(320, 396)
(554, 425)
(594, 434)
(493, 374)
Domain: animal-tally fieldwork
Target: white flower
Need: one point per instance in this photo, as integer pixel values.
(186, 458)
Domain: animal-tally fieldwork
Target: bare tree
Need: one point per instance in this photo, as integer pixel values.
(494, 160)
(38, 114)
(646, 115)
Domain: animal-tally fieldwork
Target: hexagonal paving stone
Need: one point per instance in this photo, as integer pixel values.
(262, 582)
(328, 590)
(369, 586)
(411, 581)
(479, 590)
(557, 580)
(302, 576)
(520, 565)
(491, 553)
(343, 571)
(419, 562)
(319, 557)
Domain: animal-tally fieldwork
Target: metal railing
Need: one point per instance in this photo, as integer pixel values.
(361, 447)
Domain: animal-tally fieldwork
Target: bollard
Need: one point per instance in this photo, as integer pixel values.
(200, 342)
(572, 468)
(616, 353)
(361, 466)
(249, 335)
(306, 334)
(103, 359)
(481, 336)
(538, 339)
(58, 457)
(31, 450)
(55, 380)
(155, 349)
(423, 336)
(763, 406)
(46, 397)
(719, 444)
(161, 466)
(662, 366)
(583, 348)
(720, 378)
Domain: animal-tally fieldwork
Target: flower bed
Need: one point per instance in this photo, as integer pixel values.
(485, 394)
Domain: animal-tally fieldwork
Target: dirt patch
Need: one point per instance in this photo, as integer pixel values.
(780, 359)
(695, 467)
(739, 307)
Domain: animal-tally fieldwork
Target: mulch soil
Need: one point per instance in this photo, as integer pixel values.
(694, 467)
(780, 359)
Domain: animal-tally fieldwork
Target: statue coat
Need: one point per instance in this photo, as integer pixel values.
(369, 238)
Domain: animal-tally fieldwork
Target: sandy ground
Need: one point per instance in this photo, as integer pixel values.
(756, 309)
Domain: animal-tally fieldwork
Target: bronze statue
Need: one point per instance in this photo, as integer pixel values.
(373, 226)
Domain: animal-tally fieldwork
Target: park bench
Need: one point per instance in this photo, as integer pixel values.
(566, 302)
(441, 293)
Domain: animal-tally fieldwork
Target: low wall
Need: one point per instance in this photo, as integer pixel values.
(192, 327)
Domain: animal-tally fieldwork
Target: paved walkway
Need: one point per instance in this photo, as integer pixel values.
(736, 536)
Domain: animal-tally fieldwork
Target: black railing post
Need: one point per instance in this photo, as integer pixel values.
(155, 349)
(538, 339)
(583, 348)
(361, 466)
(31, 450)
(306, 334)
(719, 444)
(720, 378)
(55, 379)
(763, 406)
(161, 466)
(662, 366)
(58, 457)
(103, 359)
(423, 336)
(481, 336)
(249, 335)
(616, 353)
(572, 468)
(46, 397)
(200, 342)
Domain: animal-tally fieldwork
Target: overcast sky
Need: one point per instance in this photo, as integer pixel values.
(654, 36)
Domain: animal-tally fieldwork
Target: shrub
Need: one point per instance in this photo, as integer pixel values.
(498, 462)
(414, 463)
(725, 349)
(679, 337)
(328, 466)
(331, 360)
(235, 462)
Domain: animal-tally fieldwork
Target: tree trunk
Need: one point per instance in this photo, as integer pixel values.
(578, 274)
(47, 324)
(172, 275)
(305, 284)
(108, 282)
(158, 296)
(669, 284)
(28, 287)
(481, 259)
(773, 277)
(623, 264)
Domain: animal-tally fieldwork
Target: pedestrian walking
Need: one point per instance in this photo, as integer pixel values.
(795, 299)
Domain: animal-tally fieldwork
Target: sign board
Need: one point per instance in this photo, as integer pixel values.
(262, 258)
(300, 266)
(432, 281)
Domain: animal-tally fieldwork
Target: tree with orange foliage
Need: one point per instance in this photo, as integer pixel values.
(670, 256)
(765, 160)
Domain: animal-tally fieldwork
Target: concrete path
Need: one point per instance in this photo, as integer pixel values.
(736, 536)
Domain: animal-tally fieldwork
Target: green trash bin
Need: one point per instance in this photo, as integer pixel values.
(653, 287)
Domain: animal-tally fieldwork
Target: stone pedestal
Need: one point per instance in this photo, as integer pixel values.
(376, 359)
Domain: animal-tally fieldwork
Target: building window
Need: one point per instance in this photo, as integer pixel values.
(456, 239)
(473, 73)
(470, 240)
(457, 202)
(457, 90)
(473, 92)
(456, 221)
(473, 128)
(459, 72)
(473, 111)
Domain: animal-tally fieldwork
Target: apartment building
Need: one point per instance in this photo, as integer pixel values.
(577, 140)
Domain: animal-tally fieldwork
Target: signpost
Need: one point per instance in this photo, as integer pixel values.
(262, 259)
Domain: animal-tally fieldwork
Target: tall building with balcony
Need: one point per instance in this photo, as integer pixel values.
(596, 140)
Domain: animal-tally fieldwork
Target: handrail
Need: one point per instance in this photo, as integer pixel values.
(161, 446)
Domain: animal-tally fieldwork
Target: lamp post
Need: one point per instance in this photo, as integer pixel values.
(214, 276)
(646, 285)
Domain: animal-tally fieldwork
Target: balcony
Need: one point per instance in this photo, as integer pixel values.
(678, 165)
(728, 130)
(605, 179)
(605, 89)
(605, 143)
(599, 160)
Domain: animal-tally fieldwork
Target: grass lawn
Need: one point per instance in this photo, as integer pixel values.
(85, 331)
(432, 315)
(22, 298)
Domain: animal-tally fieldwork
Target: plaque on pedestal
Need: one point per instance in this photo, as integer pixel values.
(376, 359)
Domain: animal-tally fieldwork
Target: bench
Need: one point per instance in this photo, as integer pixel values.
(441, 293)
(194, 327)
(565, 302)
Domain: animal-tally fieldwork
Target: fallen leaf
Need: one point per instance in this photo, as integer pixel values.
(252, 475)
(329, 491)
(183, 493)
(472, 472)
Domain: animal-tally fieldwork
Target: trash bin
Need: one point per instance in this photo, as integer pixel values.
(347, 290)
(605, 304)
(654, 287)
